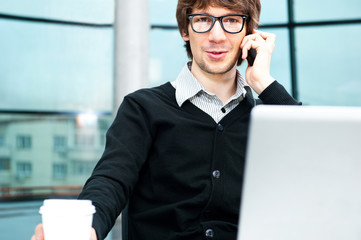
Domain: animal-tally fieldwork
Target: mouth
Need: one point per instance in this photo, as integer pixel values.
(216, 54)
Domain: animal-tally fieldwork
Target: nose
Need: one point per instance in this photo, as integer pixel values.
(217, 34)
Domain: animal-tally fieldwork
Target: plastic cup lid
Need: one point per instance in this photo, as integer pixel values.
(67, 206)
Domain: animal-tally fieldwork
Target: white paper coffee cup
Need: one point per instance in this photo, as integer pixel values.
(67, 219)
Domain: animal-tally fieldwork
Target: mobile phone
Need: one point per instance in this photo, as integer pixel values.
(251, 56)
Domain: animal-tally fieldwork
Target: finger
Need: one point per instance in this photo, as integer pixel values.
(270, 38)
(259, 38)
(244, 41)
(244, 53)
(263, 34)
(248, 46)
(270, 41)
(248, 38)
(39, 232)
(267, 39)
(254, 37)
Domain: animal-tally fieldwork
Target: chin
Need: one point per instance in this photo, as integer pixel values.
(221, 68)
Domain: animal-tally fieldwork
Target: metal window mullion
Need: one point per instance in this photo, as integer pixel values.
(292, 46)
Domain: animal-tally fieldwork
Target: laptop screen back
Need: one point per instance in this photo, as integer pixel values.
(303, 174)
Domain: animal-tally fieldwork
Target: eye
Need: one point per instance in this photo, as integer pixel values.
(203, 19)
(231, 20)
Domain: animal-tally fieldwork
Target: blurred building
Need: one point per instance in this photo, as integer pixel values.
(52, 150)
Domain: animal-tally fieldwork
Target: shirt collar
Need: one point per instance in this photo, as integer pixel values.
(187, 86)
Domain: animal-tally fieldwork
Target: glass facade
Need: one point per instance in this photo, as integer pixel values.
(57, 73)
(321, 10)
(87, 11)
(167, 58)
(58, 67)
(56, 102)
(329, 69)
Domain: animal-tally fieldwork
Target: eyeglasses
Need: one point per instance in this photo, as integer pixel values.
(232, 23)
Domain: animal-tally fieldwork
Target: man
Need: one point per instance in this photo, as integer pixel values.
(175, 153)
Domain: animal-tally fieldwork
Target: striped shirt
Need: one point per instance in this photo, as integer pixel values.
(188, 88)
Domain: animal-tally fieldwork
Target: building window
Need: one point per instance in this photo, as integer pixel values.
(60, 143)
(59, 170)
(102, 139)
(4, 164)
(23, 170)
(83, 167)
(84, 140)
(23, 141)
(2, 141)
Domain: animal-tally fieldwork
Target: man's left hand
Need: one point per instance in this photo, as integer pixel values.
(258, 76)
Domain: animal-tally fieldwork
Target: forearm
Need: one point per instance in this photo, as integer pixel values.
(108, 203)
(115, 176)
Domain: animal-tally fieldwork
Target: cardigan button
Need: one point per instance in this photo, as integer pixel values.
(220, 127)
(209, 233)
(216, 174)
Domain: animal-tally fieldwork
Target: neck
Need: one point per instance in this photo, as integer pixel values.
(223, 85)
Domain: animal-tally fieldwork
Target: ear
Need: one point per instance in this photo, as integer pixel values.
(185, 35)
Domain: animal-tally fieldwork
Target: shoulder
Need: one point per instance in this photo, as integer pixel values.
(163, 94)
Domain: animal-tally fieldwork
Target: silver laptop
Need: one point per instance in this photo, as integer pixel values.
(303, 174)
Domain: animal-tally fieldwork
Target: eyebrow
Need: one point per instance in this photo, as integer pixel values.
(200, 11)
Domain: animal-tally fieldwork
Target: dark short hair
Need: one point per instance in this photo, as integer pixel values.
(252, 8)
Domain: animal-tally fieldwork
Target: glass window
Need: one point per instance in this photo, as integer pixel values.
(23, 170)
(2, 141)
(95, 11)
(274, 11)
(23, 142)
(162, 12)
(328, 67)
(63, 68)
(83, 168)
(84, 140)
(59, 170)
(4, 164)
(167, 55)
(320, 10)
(60, 143)
(102, 139)
(55, 67)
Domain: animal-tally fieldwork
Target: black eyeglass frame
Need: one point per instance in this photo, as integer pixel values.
(220, 19)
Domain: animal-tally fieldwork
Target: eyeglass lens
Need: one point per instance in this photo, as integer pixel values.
(202, 23)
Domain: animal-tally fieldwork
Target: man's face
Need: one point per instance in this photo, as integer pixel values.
(216, 51)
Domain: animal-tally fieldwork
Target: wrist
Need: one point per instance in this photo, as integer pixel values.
(93, 235)
(260, 86)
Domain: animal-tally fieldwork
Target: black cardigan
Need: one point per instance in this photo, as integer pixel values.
(179, 170)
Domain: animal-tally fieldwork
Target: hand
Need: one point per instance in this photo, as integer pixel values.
(39, 233)
(258, 76)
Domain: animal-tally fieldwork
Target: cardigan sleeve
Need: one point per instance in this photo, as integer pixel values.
(115, 175)
(276, 94)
